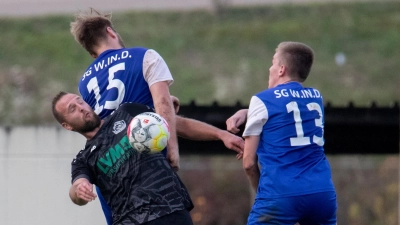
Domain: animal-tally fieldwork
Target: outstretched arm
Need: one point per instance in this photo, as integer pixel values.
(237, 119)
(81, 192)
(200, 131)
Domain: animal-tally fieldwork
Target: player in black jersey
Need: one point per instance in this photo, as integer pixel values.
(139, 188)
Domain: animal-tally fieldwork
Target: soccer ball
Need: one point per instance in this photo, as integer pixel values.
(148, 133)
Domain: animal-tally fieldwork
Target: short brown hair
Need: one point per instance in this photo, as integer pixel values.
(56, 114)
(89, 28)
(298, 58)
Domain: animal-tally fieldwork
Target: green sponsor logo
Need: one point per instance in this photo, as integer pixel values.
(115, 157)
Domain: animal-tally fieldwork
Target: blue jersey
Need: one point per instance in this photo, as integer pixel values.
(115, 77)
(118, 76)
(290, 121)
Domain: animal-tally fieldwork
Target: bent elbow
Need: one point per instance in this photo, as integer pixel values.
(249, 166)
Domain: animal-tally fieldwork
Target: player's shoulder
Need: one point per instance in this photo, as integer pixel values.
(135, 52)
(134, 108)
(138, 49)
(83, 153)
(266, 92)
(312, 89)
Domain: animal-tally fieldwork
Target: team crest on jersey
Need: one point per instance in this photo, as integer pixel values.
(119, 126)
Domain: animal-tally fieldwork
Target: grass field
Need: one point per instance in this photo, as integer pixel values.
(223, 57)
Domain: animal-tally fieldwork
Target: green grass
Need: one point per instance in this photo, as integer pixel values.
(222, 57)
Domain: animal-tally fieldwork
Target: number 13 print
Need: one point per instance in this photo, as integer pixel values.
(300, 140)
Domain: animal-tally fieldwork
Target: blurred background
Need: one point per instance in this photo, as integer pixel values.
(218, 51)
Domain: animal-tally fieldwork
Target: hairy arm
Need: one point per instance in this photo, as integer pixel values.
(200, 131)
(164, 106)
(81, 192)
(250, 160)
(158, 76)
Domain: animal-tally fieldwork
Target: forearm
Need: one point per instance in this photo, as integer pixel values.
(200, 131)
(250, 160)
(236, 120)
(197, 130)
(242, 113)
(164, 107)
(253, 174)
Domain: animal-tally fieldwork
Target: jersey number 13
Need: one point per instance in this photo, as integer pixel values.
(300, 140)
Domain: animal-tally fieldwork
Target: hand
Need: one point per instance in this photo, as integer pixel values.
(84, 191)
(173, 158)
(233, 122)
(239, 156)
(233, 142)
(176, 103)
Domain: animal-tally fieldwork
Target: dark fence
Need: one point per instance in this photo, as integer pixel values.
(348, 130)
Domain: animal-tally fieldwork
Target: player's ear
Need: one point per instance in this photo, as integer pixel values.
(94, 55)
(111, 32)
(66, 126)
(282, 70)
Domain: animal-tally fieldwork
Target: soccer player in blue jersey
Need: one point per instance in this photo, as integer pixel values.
(140, 75)
(120, 74)
(151, 192)
(284, 156)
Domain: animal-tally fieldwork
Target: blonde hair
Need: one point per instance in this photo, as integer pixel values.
(89, 28)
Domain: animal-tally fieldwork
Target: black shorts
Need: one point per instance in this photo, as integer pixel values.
(181, 217)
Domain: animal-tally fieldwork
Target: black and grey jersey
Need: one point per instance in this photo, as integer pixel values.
(137, 187)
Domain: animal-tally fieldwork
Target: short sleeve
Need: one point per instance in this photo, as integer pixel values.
(155, 69)
(257, 116)
(79, 168)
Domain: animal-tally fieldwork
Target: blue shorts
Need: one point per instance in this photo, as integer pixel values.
(311, 209)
